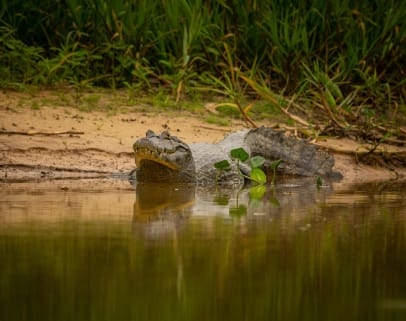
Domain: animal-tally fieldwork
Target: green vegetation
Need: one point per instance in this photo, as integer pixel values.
(240, 155)
(212, 119)
(339, 64)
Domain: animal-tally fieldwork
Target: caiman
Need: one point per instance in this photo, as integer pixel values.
(166, 158)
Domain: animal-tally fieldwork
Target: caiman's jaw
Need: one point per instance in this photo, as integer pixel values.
(165, 150)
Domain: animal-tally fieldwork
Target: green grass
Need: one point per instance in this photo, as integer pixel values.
(217, 120)
(330, 57)
(35, 105)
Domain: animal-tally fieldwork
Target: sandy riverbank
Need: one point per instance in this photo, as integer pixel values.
(54, 141)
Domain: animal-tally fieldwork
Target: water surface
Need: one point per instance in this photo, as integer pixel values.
(71, 251)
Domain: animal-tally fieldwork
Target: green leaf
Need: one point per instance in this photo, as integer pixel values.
(319, 182)
(274, 201)
(221, 199)
(239, 153)
(223, 165)
(330, 99)
(257, 192)
(331, 86)
(275, 164)
(258, 176)
(238, 211)
(255, 203)
(257, 161)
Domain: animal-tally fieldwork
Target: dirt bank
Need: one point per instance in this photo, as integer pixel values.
(49, 141)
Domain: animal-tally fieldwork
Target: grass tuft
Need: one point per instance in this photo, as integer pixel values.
(338, 57)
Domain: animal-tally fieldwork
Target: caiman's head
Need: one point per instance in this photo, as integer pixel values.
(163, 158)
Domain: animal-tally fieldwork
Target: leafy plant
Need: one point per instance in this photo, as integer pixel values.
(256, 194)
(274, 166)
(319, 182)
(257, 175)
(238, 211)
(223, 165)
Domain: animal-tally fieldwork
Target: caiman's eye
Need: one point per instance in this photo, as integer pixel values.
(182, 148)
(165, 134)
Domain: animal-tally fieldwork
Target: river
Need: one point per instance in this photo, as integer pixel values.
(100, 250)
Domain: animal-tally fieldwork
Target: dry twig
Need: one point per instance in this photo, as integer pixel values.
(39, 133)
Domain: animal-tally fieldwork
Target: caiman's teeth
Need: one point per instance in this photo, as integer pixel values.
(147, 151)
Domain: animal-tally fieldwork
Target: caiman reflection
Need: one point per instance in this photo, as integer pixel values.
(161, 208)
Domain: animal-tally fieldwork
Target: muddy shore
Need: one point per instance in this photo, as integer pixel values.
(63, 142)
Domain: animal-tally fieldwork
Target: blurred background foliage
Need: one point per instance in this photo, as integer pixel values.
(348, 56)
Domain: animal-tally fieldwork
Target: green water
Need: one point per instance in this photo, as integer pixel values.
(70, 252)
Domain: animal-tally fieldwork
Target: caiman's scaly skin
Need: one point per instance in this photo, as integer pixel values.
(165, 158)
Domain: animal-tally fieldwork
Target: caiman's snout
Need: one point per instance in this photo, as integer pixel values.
(164, 149)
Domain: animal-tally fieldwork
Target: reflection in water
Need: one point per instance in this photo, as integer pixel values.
(161, 208)
(180, 253)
